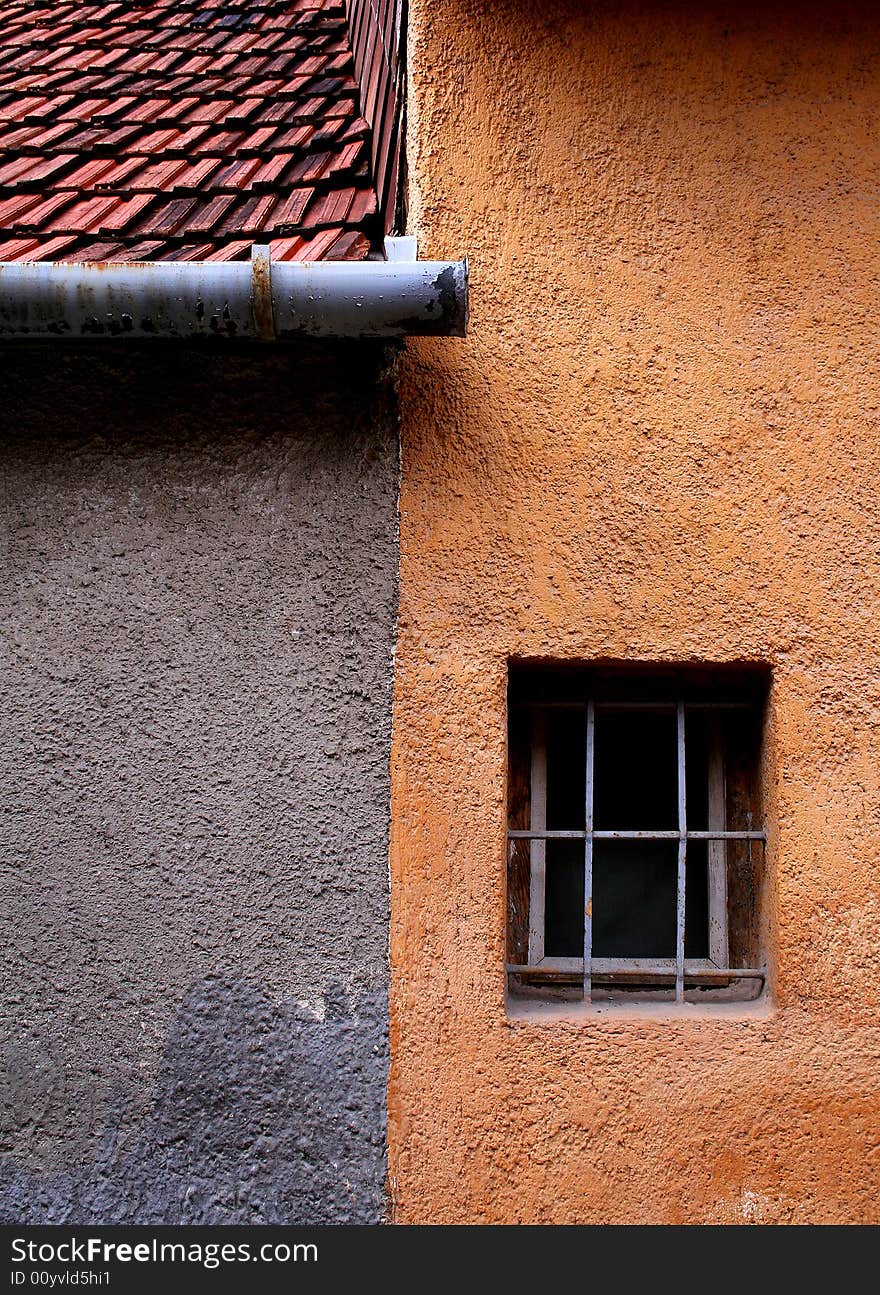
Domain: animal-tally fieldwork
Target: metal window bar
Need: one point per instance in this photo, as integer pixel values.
(682, 859)
(633, 705)
(713, 834)
(538, 834)
(588, 854)
(636, 970)
(716, 850)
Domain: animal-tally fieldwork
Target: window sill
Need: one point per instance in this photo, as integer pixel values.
(535, 1011)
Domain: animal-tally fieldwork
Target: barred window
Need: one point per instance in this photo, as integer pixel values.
(635, 835)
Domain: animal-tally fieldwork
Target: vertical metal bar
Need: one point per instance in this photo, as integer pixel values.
(537, 849)
(717, 850)
(588, 853)
(682, 860)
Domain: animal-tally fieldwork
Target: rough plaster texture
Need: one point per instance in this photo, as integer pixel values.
(659, 442)
(199, 586)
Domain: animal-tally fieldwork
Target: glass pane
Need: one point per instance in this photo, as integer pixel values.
(564, 900)
(634, 899)
(566, 770)
(636, 770)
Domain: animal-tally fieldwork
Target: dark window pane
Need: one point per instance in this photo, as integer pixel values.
(566, 770)
(564, 900)
(634, 899)
(697, 766)
(696, 901)
(636, 770)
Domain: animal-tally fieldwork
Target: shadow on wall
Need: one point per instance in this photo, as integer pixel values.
(261, 1114)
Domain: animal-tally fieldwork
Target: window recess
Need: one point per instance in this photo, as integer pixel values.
(635, 836)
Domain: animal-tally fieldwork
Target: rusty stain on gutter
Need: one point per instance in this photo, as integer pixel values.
(261, 282)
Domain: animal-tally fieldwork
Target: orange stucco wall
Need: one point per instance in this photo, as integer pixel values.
(659, 442)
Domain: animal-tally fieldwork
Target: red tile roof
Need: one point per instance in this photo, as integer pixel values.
(182, 129)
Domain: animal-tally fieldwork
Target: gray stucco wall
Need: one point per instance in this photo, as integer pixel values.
(198, 605)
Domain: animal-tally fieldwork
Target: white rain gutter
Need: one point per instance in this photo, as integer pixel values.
(263, 299)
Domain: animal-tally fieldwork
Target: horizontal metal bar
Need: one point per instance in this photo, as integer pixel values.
(657, 965)
(575, 964)
(632, 971)
(671, 835)
(530, 835)
(713, 834)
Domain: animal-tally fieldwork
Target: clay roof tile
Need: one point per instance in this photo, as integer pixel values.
(181, 129)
